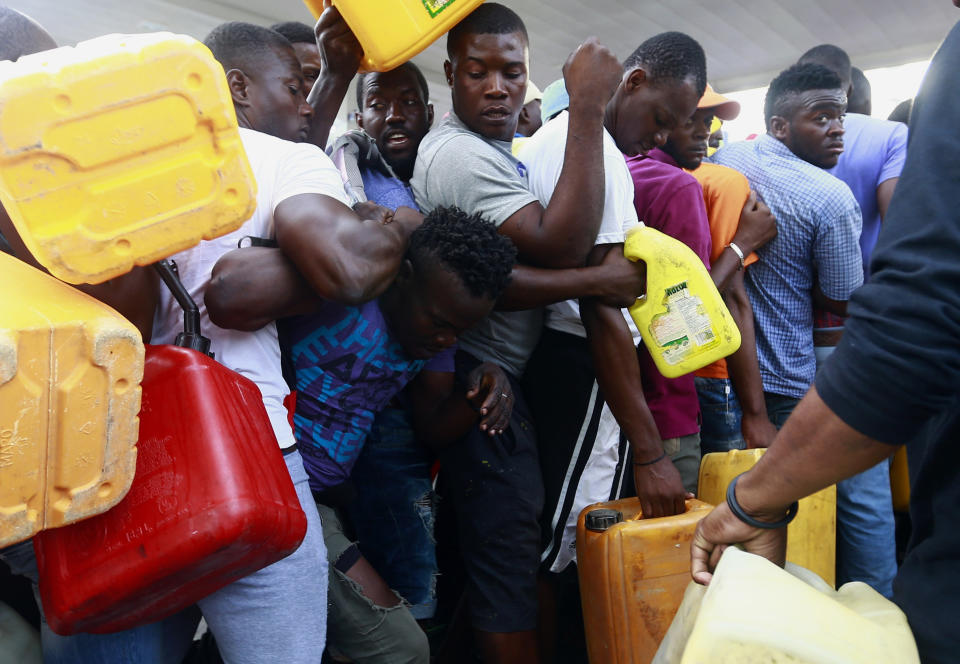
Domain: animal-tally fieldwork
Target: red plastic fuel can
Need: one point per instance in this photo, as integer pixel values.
(211, 502)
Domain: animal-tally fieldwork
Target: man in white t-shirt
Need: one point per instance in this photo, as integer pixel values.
(279, 613)
(583, 381)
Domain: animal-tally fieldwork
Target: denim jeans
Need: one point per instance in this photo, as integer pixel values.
(779, 407)
(720, 416)
(163, 642)
(393, 513)
(866, 530)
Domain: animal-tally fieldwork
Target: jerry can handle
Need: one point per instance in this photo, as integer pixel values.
(190, 337)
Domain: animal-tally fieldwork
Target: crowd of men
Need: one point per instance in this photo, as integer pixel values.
(451, 291)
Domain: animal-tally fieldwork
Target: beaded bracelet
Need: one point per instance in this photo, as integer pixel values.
(749, 520)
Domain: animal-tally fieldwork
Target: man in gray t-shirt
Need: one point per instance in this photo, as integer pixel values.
(493, 483)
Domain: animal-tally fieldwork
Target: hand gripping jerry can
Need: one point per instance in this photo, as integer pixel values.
(211, 502)
(633, 572)
(70, 370)
(393, 31)
(754, 611)
(118, 152)
(811, 537)
(683, 321)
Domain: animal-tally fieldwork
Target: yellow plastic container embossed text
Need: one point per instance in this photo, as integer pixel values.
(393, 31)
(683, 321)
(632, 572)
(119, 152)
(811, 537)
(754, 611)
(70, 371)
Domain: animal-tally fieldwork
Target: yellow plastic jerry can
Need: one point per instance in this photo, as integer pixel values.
(119, 152)
(70, 372)
(632, 573)
(811, 537)
(754, 611)
(393, 31)
(683, 321)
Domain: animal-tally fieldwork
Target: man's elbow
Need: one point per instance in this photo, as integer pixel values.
(226, 311)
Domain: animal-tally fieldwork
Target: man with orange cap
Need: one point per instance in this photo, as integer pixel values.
(733, 413)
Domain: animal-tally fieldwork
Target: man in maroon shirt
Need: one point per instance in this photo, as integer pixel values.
(670, 199)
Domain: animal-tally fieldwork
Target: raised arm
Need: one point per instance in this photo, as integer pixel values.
(340, 54)
(562, 234)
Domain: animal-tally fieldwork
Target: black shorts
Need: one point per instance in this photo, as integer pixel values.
(493, 484)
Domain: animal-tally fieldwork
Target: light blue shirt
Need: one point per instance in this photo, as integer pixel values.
(818, 228)
(873, 152)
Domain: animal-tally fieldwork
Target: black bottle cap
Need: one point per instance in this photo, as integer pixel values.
(600, 519)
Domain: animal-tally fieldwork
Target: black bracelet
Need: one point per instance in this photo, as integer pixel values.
(650, 463)
(749, 520)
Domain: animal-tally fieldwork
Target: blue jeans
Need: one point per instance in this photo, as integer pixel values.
(866, 531)
(163, 642)
(779, 407)
(394, 511)
(720, 416)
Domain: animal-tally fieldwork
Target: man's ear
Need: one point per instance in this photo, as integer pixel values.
(237, 82)
(634, 79)
(358, 118)
(429, 115)
(405, 273)
(779, 128)
(448, 72)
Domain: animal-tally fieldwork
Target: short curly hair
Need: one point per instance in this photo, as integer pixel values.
(790, 82)
(490, 18)
(467, 245)
(296, 32)
(244, 46)
(672, 56)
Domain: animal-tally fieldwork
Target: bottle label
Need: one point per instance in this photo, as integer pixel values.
(684, 327)
(434, 7)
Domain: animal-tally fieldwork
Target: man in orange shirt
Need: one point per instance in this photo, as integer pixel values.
(730, 391)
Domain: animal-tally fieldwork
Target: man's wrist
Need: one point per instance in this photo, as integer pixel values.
(751, 500)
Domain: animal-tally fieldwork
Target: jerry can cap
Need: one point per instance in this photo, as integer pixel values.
(600, 519)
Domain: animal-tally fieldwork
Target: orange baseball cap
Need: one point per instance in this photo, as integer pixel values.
(724, 108)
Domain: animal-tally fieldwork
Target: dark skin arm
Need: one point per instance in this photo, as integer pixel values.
(340, 55)
(616, 281)
(838, 307)
(134, 295)
(757, 227)
(744, 370)
(443, 411)
(658, 485)
(792, 468)
(341, 256)
(562, 234)
(254, 286)
(884, 194)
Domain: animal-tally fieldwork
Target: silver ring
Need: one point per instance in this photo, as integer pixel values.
(504, 395)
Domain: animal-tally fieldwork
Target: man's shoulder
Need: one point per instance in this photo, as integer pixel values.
(265, 146)
(650, 173)
(718, 175)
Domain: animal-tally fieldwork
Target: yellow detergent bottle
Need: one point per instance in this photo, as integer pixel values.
(119, 152)
(70, 372)
(682, 319)
(811, 537)
(393, 31)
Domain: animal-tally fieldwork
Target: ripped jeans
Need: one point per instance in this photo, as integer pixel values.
(357, 628)
(394, 510)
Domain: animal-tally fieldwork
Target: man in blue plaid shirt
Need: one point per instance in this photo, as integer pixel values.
(815, 257)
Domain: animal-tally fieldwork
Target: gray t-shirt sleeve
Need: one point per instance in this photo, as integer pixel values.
(467, 173)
